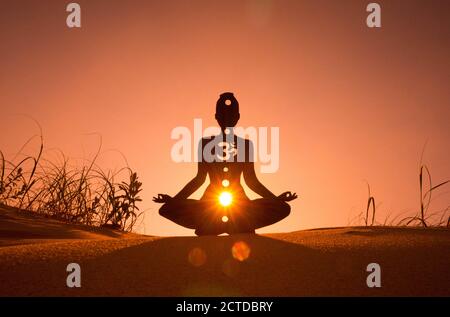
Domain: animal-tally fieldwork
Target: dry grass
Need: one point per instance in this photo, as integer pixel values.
(423, 217)
(83, 194)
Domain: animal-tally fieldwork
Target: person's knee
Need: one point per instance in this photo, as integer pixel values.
(285, 209)
(167, 211)
(164, 210)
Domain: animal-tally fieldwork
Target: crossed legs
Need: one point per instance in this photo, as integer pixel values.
(206, 217)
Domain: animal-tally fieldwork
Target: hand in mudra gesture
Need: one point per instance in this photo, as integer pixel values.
(287, 196)
(162, 198)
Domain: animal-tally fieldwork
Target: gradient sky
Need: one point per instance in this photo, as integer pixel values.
(352, 103)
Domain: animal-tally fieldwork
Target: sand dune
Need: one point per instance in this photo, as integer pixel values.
(35, 251)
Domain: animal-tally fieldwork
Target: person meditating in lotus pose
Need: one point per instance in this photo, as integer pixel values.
(224, 207)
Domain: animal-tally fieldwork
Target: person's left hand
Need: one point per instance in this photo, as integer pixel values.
(287, 196)
(162, 198)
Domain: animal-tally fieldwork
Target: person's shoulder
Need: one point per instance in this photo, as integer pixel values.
(247, 142)
(208, 138)
(205, 140)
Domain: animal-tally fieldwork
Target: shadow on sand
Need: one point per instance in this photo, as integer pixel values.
(327, 262)
(209, 266)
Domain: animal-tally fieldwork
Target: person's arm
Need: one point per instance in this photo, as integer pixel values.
(194, 183)
(253, 183)
(249, 173)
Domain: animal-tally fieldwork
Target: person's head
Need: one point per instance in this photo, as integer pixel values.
(227, 110)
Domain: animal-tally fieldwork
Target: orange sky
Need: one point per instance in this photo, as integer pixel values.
(352, 103)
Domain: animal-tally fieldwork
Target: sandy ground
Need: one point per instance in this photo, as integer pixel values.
(35, 251)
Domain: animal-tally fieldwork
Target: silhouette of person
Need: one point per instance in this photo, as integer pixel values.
(224, 206)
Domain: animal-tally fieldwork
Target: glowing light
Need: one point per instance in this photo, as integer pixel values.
(240, 251)
(225, 169)
(224, 219)
(225, 183)
(197, 257)
(225, 198)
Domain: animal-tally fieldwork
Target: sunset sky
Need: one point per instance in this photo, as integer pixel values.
(353, 104)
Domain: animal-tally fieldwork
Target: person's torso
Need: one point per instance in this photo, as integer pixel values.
(224, 160)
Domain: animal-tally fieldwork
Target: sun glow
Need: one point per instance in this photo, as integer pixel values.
(225, 198)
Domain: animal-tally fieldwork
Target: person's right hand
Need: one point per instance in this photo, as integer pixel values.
(287, 196)
(162, 198)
